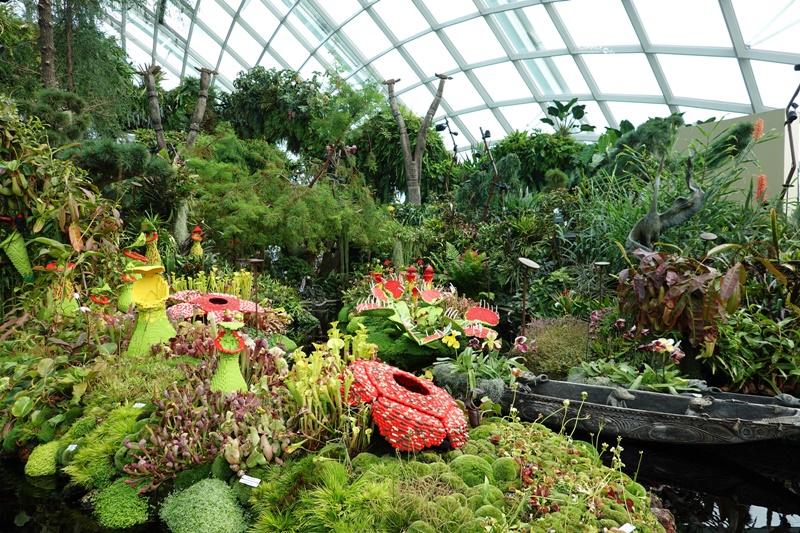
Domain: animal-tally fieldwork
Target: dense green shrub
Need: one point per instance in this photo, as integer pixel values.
(93, 463)
(209, 506)
(42, 461)
(119, 506)
(560, 344)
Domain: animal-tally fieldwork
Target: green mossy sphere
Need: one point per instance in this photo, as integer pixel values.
(208, 506)
(438, 469)
(452, 454)
(470, 448)
(420, 526)
(505, 469)
(455, 482)
(490, 511)
(472, 469)
(481, 432)
(364, 460)
(414, 469)
(491, 495)
(42, 461)
(119, 506)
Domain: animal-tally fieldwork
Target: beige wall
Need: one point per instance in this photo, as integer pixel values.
(773, 155)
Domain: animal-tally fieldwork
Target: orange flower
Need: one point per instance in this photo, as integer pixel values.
(758, 129)
(761, 188)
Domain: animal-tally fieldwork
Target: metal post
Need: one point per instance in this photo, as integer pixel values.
(601, 265)
(527, 263)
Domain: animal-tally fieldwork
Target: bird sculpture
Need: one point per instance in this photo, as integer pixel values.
(648, 229)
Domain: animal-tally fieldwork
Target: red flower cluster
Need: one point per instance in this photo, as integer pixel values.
(411, 413)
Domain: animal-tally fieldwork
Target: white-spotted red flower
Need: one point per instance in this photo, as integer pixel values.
(411, 413)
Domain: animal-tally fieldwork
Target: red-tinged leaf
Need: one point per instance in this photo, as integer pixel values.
(75, 237)
(730, 282)
(624, 275)
(62, 218)
(74, 212)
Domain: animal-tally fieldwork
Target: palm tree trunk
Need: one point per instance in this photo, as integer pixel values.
(47, 44)
(149, 75)
(200, 106)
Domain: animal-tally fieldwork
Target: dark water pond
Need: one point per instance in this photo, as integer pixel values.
(729, 488)
(740, 488)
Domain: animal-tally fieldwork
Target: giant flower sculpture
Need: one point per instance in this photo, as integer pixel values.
(194, 303)
(228, 377)
(132, 260)
(150, 296)
(411, 413)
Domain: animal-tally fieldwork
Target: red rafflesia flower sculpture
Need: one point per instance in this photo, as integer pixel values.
(411, 413)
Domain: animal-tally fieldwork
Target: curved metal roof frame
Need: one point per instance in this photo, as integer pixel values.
(324, 39)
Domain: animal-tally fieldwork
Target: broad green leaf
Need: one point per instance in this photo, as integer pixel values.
(22, 406)
(44, 366)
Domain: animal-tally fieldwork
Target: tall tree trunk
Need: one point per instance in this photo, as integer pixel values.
(149, 75)
(412, 162)
(200, 106)
(70, 66)
(47, 44)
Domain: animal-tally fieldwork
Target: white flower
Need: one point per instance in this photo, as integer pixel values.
(84, 309)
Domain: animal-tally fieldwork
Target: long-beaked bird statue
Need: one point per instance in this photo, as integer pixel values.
(648, 229)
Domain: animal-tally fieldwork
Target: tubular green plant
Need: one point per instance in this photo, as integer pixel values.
(319, 385)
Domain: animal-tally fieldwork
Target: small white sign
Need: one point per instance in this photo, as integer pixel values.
(627, 528)
(71, 447)
(138, 405)
(250, 481)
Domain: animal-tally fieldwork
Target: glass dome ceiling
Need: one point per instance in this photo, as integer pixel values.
(624, 59)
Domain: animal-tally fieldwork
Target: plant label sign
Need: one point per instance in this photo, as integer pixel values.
(138, 405)
(250, 481)
(627, 528)
(71, 447)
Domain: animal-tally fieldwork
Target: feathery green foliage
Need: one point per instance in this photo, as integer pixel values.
(119, 506)
(208, 506)
(92, 465)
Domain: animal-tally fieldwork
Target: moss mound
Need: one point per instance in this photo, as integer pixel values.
(209, 506)
(42, 461)
(505, 469)
(119, 506)
(472, 469)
